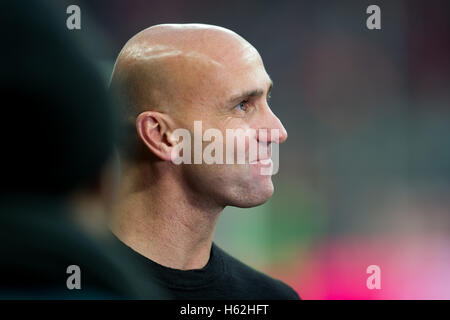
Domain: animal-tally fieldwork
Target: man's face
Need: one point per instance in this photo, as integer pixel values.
(232, 93)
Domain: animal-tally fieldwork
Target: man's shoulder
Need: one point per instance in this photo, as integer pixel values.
(252, 283)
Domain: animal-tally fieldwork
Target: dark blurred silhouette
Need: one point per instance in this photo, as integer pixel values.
(58, 131)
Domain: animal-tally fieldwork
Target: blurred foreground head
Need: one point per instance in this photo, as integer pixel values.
(58, 131)
(57, 124)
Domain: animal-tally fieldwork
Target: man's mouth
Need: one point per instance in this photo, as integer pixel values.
(265, 161)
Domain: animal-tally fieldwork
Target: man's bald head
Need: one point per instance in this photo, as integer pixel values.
(171, 76)
(169, 66)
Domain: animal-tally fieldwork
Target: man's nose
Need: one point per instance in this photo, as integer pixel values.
(275, 131)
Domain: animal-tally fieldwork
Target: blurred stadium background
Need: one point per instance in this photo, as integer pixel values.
(365, 174)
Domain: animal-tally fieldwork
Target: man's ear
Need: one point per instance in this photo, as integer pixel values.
(154, 130)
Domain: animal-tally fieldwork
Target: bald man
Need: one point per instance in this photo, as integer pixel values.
(169, 76)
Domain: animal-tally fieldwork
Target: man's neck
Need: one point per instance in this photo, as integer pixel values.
(162, 223)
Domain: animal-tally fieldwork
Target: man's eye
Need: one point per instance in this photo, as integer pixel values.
(242, 105)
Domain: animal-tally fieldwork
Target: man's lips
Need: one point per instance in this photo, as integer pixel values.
(265, 161)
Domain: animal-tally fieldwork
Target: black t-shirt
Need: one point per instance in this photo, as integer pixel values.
(223, 278)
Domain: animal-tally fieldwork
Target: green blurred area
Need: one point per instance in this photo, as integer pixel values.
(292, 219)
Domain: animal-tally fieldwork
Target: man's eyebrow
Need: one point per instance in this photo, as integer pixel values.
(250, 93)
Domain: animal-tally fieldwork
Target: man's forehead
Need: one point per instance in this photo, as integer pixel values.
(229, 65)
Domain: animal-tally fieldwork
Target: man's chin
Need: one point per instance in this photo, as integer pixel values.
(256, 196)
